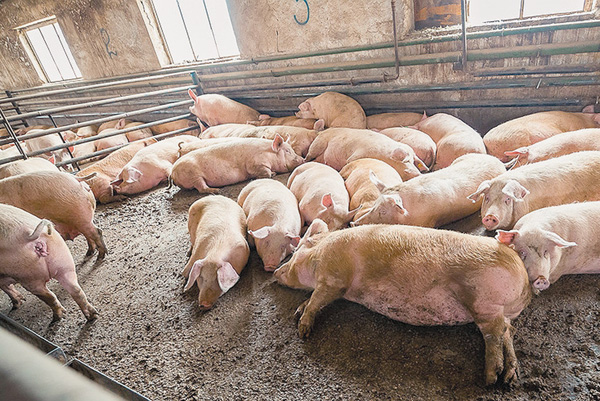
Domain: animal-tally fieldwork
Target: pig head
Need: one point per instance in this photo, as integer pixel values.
(273, 245)
(214, 278)
(503, 201)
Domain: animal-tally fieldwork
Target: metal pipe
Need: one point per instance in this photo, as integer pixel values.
(102, 120)
(396, 59)
(13, 136)
(463, 19)
(99, 102)
(537, 69)
(62, 138)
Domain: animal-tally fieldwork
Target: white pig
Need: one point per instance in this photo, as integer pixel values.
(424, 147)
(419, 276)
(433, 199)
(150, 166)
(26, 166)
(557, 240)
(363, 192)
(232, 162)
(31, 254)
(274, 221)
(571, 178)
(337, 147)
(558, 145)
(47, 141)
(453, 138)
(321, 194)
(532, 128)
(216, 109)
(219, 251)
(335, 109)
(391, 120)
(291, 121)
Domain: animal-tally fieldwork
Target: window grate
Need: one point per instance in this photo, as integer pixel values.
(485, 11)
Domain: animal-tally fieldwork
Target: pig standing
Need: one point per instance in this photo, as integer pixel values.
(108, 168)
(31, 254)
(274, 221)
(149, 166)
(418, 276)
(219, 251)
(59, 197)
(558, 145)
(453, 138)
(174, 126)
(216, 109)
(391, 120)
(419, 141)
(26, 166)
(433, 199)
(308, 123)
(363, 192)
(337, 147)
(232, 162)
(321, 194)
(527, 130)
(571, 178)
(557, 240)
(335, 109)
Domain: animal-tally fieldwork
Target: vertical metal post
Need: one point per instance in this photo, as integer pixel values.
(397, 60)
(211, 29)
(186, 30)
(12, 134)
(16, 106)
(463, 17)
(196, 82)
(75, 164)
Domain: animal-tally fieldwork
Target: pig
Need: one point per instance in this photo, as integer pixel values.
(219, 251)
(363, 192)
(87, 131)
(26, 166)
(532, 128)
(557, 240)
(110, 124)
(150, 166)
(232, 162)
(453, 138)
(26, 130)
(419, 276)
(47, 141)
(321, 193)
(274, 221)
(187, 147)
(12, 151)
(392, 120)
(558, 145)
(216, 109)
(337, 147)
(570, 178)
(335, 109)
(60, 198)
(137, 134)
(424, 147)
(174, 126)
(433, 199)
(108, 168)
(111, 141)
(31, 254)
(308, 123)
(226, 130)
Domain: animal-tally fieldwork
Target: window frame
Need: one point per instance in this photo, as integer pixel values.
(35, 58)
(588, 8)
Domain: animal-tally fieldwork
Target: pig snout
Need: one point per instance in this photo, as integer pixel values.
(541, 283)
(490, 222)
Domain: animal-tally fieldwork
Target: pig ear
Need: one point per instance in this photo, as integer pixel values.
(397, 200)
(277, 142)
(120, 124)
(327, 201)
(319, 125)
(558, 240)
(263, 117)
(134, 175)
(227, 276)
(261, 233)
(52, 159)
(116, 183)
(194, 274)
(588, 109)
(378, 183)
(515, 190)
(507, 237)
(193, 95)
(317, 226)
(400, 154)
(483, 187)
(352, 213)
(294, 239)
(518, 152)
(420, 165)
(304, 106)
(200, 125)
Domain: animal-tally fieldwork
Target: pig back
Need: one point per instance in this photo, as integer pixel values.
(26, 166)
(389, 120)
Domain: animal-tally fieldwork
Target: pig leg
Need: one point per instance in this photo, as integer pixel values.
(261, 171)
(322, 296)
(68, 280)
(493, 331)
(300, 310)
(203, 187)
(511, 367)
(94, 238)
(40, 290)
(316, 149)
(8, 286)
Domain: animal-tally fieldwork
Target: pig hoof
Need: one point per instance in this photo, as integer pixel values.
(41, 249)
(58, 314)
(303, 330)
(91, 314)
(300, 311)
(511, 375)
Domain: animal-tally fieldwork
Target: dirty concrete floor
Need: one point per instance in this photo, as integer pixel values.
(151, 336)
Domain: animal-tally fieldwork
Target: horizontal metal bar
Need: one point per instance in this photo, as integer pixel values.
(537, 69)
(101, 120)
(100, 102)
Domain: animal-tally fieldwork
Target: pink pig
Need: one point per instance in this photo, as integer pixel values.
(335, 109)
(31, 254)
(273, 220)
(392, 120)
(424, 147)
(216, 109)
